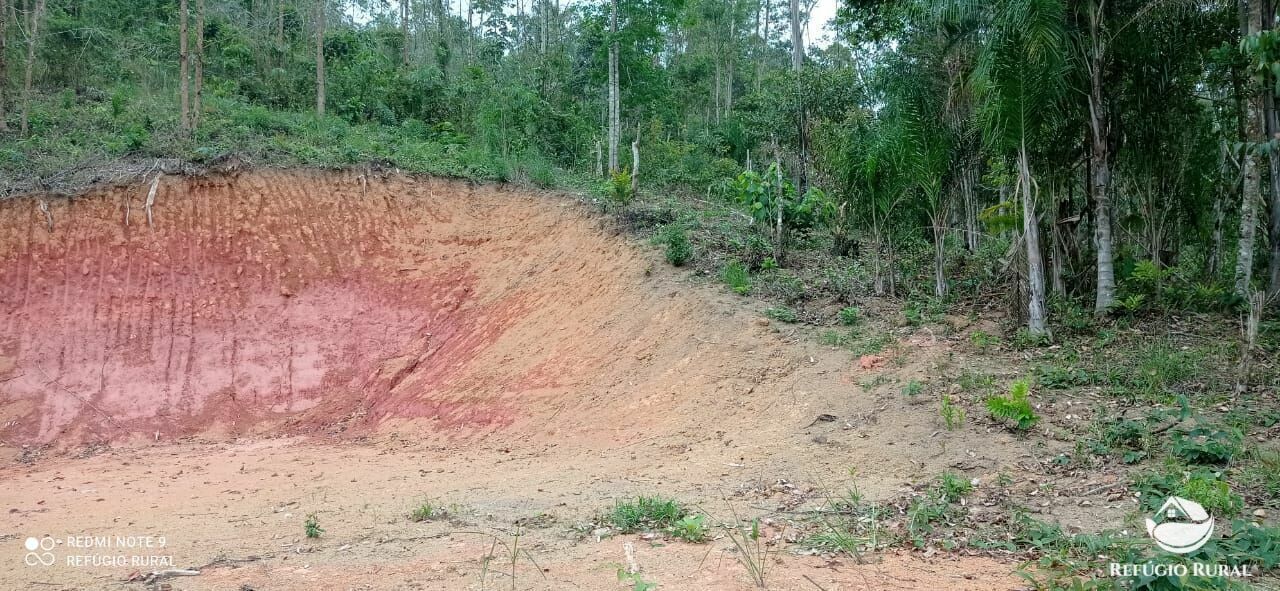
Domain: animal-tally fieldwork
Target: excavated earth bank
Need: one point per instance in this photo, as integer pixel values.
(216, 362)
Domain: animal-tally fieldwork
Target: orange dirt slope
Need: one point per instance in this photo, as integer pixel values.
(249, 350)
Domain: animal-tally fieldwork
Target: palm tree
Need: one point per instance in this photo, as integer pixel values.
(1019, 78)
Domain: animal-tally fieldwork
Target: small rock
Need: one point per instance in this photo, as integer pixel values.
(1260, 513)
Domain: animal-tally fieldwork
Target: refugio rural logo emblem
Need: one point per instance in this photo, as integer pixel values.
(1183, 528)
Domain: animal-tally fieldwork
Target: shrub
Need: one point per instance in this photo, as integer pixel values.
(618, 187)
(678, 249)
(1015, 407)
(849, 316)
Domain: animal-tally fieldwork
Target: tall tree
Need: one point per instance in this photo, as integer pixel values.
(34, 17)
(1100, 153)
(1020, 76)
(320, 10)
(615, 128)
(4, 65)
(184, 69)
(1254, 16)
(404, 32)
(802, 125)
(197, 104)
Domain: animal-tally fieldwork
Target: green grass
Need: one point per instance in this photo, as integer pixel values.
(645, 514)
(781, 314)
(427, 511)
(736, 277)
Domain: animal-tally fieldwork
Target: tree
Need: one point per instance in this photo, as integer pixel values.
(1252, 21)
(4, 65)
(1100, 154)
(1020, 76)
(802, 125)
(320, 94)
(184, 73)
(615, 130)
(198, 102)
(34, 17)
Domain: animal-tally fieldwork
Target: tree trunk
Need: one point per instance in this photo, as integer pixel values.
(1059, 262)
(1219, 208)
(614, 102)
(967, 181)
(797, 65)
(1037, 317)
(184, 70)
(764, 45)
(280, 29)
(197, 103)
(320, 10)
(4, 65)
(404, 32)
(938, 222)
(1251, 187)
(1100, 165)
(33, 40)
(1273, 159)
(635, 164)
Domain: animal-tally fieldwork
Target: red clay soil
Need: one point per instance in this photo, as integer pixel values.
(282, 302)
(257, 348)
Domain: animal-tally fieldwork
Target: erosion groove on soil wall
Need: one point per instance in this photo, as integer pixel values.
(304, 302)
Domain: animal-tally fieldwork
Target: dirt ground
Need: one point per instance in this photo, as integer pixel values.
(250, 350)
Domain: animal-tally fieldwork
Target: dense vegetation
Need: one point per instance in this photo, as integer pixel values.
(1101, 166)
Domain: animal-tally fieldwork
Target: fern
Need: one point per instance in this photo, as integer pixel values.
(1015, 407)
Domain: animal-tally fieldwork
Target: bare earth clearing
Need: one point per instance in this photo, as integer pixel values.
(281, 344)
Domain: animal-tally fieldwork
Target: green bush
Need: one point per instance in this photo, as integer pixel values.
(678, 249)
(849, 316)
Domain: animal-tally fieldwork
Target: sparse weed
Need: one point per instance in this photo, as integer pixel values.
(913, 388)
(983, 340)
(637, 582)
(312, 527)
(690, 528)
(753, 550)
(427, 511)
(952, 415)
